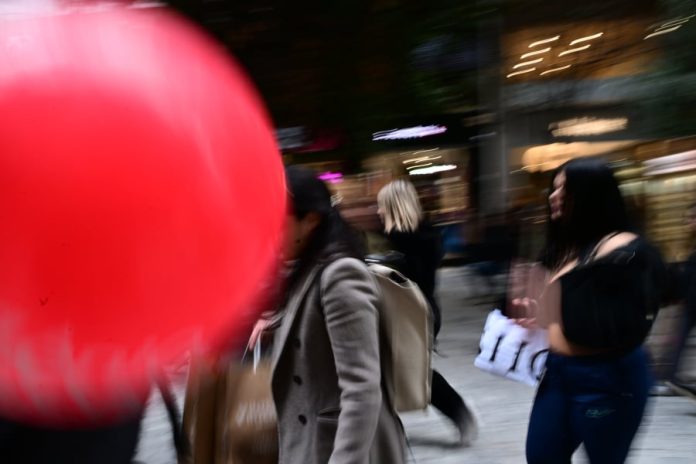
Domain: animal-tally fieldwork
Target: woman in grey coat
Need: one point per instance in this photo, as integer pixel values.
(331, 398)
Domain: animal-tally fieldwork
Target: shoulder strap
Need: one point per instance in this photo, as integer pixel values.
(181, 440)
(595, 250)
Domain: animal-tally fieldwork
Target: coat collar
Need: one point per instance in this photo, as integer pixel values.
(291, 309)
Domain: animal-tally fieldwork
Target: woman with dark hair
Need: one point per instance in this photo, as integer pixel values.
(328, 388)
(596, 383)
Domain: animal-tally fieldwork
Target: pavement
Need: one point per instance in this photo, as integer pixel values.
(667, 435)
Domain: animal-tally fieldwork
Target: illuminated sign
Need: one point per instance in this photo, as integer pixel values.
(432, 169)
(409, 133)
(331, 177)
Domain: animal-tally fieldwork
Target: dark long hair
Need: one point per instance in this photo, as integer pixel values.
(593, 207)
(332, 238)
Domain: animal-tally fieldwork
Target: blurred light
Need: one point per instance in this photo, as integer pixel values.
(331, 177)
(575, 50)
(549, 71)
(420, 151)
(538, 52)
(587, 126)
(408, 133)
(520, 72)
(684, 161)
(418, 160)
(547, 157)
(674, 22)
(417, 166)
(662, 31)
(526, 63)
(586, 38)
(541, 42)
(432, 169)
(336, 199)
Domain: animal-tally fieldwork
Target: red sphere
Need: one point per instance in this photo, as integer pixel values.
(142, 200)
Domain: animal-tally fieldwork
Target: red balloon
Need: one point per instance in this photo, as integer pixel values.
(142, 200)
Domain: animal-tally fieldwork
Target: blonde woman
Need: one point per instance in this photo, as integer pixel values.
(408, 233)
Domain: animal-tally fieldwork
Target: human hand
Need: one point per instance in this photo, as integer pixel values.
(527, 322)
(524, 309)
(256, 334)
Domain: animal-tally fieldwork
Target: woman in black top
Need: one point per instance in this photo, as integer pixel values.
(421, 245)
(596, 383)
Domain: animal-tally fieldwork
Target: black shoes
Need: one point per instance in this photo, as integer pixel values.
(468, 426)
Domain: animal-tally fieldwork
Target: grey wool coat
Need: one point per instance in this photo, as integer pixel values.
(331, 401)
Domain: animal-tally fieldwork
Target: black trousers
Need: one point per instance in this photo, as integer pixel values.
(446, 400)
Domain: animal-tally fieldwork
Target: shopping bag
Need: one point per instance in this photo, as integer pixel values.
(229, 415)
(512, 351)
(250, 425)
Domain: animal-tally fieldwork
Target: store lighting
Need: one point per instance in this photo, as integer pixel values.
(516, 73)
(432, 169)
(543, 41)
(586, 38)
(587, 126)
(409, 133)
(421, 159)
(684, 161)
(553, 70)
(662, 31)
(527, 63)
(415, 160)
(678, 21)
(417, 166)
(534, 53)
(575, 50)
(419, 151)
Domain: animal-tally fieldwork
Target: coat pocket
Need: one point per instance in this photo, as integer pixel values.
(327, 424)
(329, 415)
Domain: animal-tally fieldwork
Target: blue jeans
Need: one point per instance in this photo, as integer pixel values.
(597, 401)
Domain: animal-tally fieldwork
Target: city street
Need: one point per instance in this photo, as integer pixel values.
(666, 437)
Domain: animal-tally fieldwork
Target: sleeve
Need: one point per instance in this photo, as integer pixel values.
(349, 300)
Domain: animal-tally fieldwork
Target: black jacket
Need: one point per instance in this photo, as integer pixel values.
(422, 252)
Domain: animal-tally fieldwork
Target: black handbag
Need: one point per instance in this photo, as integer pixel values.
(611, 302)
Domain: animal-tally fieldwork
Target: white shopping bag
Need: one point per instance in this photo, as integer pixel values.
(512, 351)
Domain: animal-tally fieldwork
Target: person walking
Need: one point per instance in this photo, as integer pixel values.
(330, 395)
(408, 233)
(597, 378)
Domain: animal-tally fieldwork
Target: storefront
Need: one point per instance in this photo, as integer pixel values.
(657, 177)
